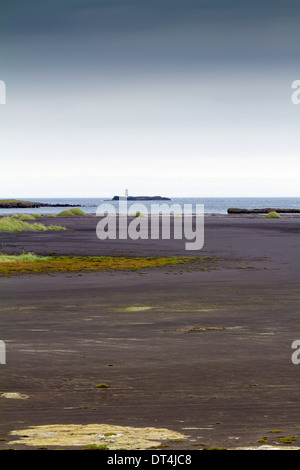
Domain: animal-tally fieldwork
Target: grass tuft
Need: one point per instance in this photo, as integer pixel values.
(23, 257)
(13, 224)
(23, 217)
(272, 215)
(71, 212)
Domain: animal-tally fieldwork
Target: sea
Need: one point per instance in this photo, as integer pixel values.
(211, 205)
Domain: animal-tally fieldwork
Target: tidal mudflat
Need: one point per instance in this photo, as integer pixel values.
(192, 355)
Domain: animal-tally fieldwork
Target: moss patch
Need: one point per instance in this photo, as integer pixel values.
(287, 440)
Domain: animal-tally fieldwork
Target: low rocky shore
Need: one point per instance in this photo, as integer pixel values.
(15, 204)
(262, 211)
(142, 198)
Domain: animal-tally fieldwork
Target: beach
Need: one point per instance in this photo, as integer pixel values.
(204, 354)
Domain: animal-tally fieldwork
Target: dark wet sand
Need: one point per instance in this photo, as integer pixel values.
(227, 384)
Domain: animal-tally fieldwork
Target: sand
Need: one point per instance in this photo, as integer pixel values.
(204, 356)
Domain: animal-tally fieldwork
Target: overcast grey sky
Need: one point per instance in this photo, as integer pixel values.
(169, 97)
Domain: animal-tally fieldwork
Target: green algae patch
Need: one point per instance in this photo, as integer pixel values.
(29, 263)
(134, 309)
(287, 440)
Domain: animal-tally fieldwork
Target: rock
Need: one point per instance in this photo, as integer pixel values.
(262, 211)
(14, 395)
(143, 198)
(14, 204)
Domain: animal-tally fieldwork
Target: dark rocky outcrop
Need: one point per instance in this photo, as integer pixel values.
(262, 211)
(142, 198)
(30, 205)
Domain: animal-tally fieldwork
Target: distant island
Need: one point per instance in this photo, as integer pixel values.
(142, 198)
(16, 204)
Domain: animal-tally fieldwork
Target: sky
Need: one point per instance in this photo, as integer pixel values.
(163, 97)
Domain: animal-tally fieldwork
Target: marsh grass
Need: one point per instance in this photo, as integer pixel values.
(14, 224)
(71, 212)
(23, 217)
(23, 257)
(26, 216)
(31, 263)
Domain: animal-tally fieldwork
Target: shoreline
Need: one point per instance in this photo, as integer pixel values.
(206, 214)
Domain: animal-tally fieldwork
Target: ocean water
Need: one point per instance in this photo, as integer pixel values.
(212, 205)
